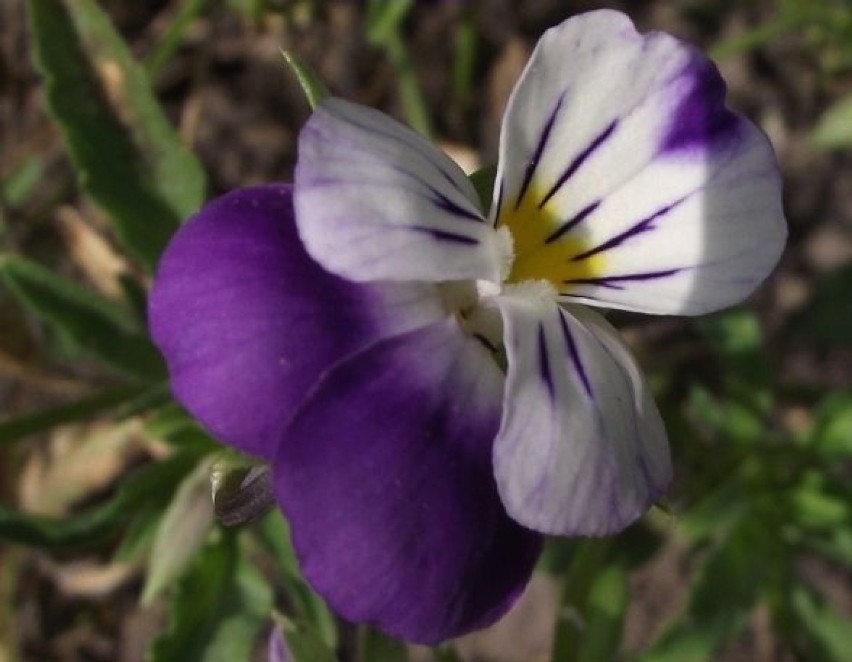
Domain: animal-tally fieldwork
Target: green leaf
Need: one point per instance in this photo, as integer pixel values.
(483, 182)
(834, 128)
(721, 599)
(152, 483)
(823, 635)
(832, 431)
(384, 19)
(88, 321)
(605, 612)
(218, 609)
(312, 86)
(827, 318)
(180, 533)
(378, 647)
(127, 155)
(738, 340)
(85, 408)
(308, 606)
(187, 11)
(306, 644)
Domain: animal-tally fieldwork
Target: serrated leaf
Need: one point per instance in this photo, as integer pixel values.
(151, 483)
(180, 533)
(834, 128)
(127, 155)
(219, 607)
(90, 322)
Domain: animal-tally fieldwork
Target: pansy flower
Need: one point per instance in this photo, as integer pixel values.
(430, 381)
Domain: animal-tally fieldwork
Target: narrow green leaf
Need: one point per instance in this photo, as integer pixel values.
(88, 321)
(218, 609)
(15, 428)
(385, 18)
(312, 86)
(154, 482)
(128, 156)
(187, 11)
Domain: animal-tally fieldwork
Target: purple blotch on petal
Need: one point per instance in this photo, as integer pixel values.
(247, 321)
(700, 119)
(385, 476)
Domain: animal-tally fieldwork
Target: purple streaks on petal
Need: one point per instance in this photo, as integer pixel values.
(574, 353)
(578, 161)
(385, 476)
(701, 119)
(443, 202)
(544, 363)
(572, 223)
(444, 235)
(645, 225)
(614, 282)
(532, 164)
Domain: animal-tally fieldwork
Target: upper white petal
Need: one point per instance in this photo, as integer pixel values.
(376, 201)
(625, 144)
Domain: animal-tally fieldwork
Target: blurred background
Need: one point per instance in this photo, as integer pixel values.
(118, 118)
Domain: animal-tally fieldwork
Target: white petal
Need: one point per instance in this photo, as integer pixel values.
(376, 201)
(617, 153)
(582, 449)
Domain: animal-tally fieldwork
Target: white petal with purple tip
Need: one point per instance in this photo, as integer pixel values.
(376, 201)
(628, 153)
(582, 449)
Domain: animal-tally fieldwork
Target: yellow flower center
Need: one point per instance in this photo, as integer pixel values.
(544, 250)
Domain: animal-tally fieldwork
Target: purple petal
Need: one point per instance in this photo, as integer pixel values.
(385, 475)
(247, 321)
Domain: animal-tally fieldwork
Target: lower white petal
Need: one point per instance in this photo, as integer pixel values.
(582, 449)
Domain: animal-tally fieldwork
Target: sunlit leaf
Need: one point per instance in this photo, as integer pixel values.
(180, 533)
(832, 431)
(834, 128)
